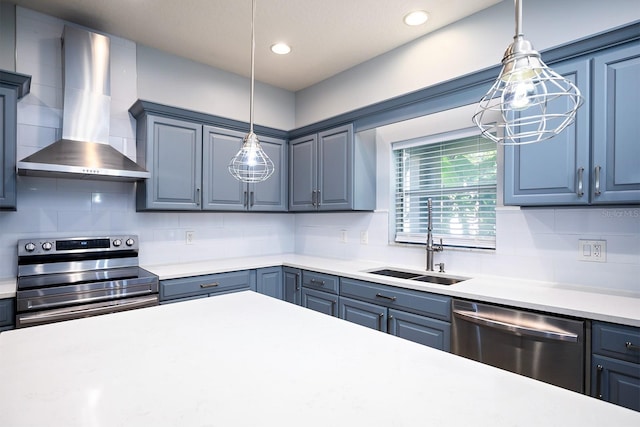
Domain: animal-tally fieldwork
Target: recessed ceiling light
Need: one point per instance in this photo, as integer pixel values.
(417, 17)
(280, 48)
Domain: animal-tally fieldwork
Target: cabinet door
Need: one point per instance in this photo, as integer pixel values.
(7, 313)
(420, 329)
(616, 126)
(8, 100)
(335, 169)
(320, 301)
(174, 158)
(269, 281)
(555, 171)
(302, 173)
(616, 381)
(365, 314)
(221, 190)
(271, 195)
(292, 284)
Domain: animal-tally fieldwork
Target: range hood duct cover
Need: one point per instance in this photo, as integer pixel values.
(84, 150)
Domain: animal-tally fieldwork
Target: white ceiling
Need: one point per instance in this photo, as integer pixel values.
(327, 36)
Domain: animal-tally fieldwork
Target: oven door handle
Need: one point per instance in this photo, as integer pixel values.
(70, 313)
(515, 329)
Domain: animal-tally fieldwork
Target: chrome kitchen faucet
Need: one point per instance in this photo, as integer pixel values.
(431, 248)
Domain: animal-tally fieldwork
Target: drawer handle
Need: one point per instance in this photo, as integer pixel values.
(379, 295)
(599, 370)
(320, 282)
(580, 191)
(631, 346)
(209, 285)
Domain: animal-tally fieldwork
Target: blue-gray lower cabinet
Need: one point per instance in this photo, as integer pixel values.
(269, 282)
(292, 285)
(174, 290)
(417, 316)
(7, 314)
(322, 302)
(615, 364)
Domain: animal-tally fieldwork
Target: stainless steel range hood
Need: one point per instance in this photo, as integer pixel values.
(84, 150)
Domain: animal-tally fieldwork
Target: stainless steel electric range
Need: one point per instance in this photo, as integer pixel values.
(69, 278)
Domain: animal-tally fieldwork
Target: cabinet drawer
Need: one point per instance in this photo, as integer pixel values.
(205, 285)
(432, 305)
(7, 313)
(320, 281)
(620, 342)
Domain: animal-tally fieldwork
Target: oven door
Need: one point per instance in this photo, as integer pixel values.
(79, 311)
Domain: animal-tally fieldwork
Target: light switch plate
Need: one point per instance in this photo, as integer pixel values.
(592, 250)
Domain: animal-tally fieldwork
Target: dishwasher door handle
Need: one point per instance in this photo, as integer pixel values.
(515, 329)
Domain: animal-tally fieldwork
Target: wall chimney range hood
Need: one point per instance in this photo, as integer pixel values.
(84, 150)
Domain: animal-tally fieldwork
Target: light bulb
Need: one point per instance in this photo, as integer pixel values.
(519, 95)
(251, 156)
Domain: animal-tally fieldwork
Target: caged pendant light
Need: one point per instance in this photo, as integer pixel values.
(251, 163)
(534, 102)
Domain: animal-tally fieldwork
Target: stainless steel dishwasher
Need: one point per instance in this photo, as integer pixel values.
(540, 346)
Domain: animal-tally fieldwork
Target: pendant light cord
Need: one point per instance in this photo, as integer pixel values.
(518, 7)
(253, 53)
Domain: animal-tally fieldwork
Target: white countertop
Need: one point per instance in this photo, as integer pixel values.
(7, 288)
(589, 303)
(245, 359)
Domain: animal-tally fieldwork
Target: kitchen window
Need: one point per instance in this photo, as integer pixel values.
(457, 170)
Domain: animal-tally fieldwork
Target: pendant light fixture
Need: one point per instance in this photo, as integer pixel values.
(251, 163)
(534, 102)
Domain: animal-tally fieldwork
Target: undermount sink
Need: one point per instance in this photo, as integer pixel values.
(411, 275)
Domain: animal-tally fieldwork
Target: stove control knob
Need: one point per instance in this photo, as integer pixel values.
(29, 247)
(46, 246)
(117, 242)
(130, 242)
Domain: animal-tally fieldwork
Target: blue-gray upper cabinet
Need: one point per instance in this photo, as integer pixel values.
(292, 285)
(172, 152)
(594, 161)
(616, 126)
(223, 192)
(553, 172)
(8, 125)
(331, 171)
(269, 281)
(13, 86)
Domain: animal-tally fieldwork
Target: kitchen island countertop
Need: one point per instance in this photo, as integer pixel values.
(565, 299)
(245, 359)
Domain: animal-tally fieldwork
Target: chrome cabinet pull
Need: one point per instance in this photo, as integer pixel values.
(318, 198)
(580, 191)
(197, 196)
(599, 370)
(631, 346)
(379, 295)
(246, 202)
(320, 282)
(251, 199)
(297, 282)
(313, 198)
(597, 179)
(208, 285)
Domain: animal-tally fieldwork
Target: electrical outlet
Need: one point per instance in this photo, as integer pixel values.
(364, 237)
(343, 236)
(189, 237)
(592, 250)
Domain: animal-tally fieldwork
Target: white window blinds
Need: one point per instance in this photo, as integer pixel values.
(459, 174)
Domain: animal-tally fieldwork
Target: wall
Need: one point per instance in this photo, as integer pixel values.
(537, 244)
(61, 207)
(472, 44)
